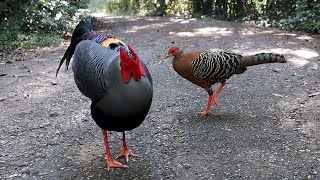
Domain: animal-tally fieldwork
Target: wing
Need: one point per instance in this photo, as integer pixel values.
(215, 65)
(91, 66)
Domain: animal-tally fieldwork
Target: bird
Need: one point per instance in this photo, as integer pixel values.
(206, 68)
(117, 82)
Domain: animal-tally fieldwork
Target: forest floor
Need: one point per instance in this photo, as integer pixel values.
(267, 125)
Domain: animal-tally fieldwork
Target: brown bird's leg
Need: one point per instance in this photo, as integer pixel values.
(206, 111)
(215, 96)
(110, 161)
(124, 150)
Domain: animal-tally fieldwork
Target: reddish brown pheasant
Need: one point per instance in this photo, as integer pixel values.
(205, 68)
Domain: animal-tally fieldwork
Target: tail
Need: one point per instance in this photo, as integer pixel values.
(262, 58)
(84, 27)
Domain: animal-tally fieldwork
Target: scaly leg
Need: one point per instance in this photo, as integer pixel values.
(110, 161)
(212, 99)
(206, 112)
(124, 149)
(215, 96)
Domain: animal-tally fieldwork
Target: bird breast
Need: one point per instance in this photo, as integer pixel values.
(127, 98)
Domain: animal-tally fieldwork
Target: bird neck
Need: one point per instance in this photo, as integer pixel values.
(177, 57)
(180, 53)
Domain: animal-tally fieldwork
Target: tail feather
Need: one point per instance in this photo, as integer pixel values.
(262, 58)
(83, 28)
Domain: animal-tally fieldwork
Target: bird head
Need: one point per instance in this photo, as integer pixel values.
(174, 51)
(130, 67)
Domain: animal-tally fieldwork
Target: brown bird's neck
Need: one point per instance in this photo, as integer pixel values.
(181, 64)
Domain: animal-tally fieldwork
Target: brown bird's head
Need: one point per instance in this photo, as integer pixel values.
(174, 51)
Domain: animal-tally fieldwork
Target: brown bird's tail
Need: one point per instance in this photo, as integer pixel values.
(84, 27)
(262, 58)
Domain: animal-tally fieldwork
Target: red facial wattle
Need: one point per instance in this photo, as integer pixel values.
(130, 67)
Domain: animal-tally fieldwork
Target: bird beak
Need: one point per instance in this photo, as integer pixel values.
(167, 56)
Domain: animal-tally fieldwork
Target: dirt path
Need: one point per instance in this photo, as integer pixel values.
(266, 127)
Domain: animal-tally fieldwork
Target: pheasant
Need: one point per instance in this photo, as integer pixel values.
(205, 68)
(111, 74)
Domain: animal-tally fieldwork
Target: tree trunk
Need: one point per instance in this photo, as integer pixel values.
(197, 7)
(221, 8)
(239, 13)
(207, 7)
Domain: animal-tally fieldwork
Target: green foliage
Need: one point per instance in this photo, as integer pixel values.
(140, 7)
(51, 15)
(305, 16)
(35, 23)
(12, 37)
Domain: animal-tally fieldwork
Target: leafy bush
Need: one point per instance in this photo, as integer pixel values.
(49, 16)
(38, 22)
(304, 17)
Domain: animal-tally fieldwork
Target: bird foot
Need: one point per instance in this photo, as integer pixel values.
(113, 163)
(203, 113)
(126, 153)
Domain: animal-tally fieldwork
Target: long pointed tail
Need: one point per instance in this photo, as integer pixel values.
(262, 58)
(84, 27)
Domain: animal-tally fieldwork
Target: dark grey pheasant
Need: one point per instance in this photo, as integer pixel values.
(117, 82)
(205, 68)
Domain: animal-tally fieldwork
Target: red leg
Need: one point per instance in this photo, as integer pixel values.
(215, 96)
(206, 112)
(124, 149)
(110, 161)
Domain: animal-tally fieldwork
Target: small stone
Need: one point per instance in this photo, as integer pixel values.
(53, 114)
(187, 166)
(314, 172)
(26, 95)
(314, 94)
(276, 70)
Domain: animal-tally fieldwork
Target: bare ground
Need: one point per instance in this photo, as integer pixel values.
(266, 127)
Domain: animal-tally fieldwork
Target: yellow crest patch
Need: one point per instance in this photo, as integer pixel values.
(108, 41)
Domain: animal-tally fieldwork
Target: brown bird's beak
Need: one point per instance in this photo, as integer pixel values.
(167, 56)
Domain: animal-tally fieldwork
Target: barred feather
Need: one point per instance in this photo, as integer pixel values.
(222, 65)
(215, 65)
(262, 58)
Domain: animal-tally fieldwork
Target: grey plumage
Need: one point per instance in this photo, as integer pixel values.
(222, 65)
(97, 75)
(118, 83)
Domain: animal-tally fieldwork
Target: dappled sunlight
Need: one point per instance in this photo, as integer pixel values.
(213, 30)
(301, 57)
(175, 20)
(207, 31)
(306, 53)
(299, 62)
(149, 26)
(182, 21)
(251, 31)
(187, 34)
